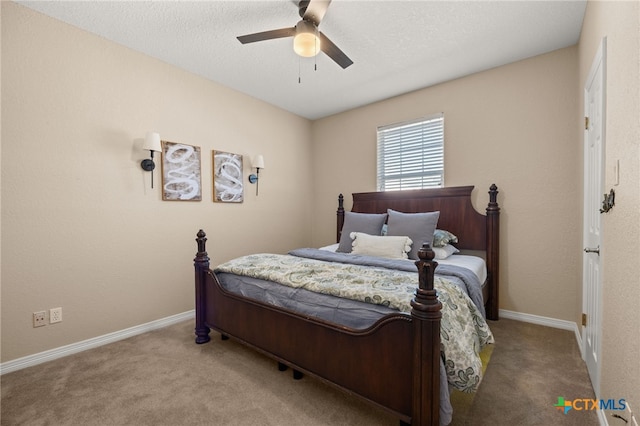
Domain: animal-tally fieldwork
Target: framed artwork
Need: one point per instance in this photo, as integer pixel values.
(227, 177)
(181, 172)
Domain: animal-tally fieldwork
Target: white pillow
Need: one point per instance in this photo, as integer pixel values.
(444, 252)
(331, 247)
(374, 245)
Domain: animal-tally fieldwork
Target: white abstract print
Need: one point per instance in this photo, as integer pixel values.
(181, 172)
(227, 177)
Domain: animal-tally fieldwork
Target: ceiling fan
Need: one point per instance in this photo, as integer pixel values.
(308, 41)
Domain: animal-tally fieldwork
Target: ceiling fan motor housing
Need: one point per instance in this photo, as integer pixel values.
(302, 7)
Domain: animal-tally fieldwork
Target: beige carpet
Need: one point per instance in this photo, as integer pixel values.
(530, 367)
(164, 378)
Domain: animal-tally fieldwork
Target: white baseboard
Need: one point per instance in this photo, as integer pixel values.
(50, 355)
(546, 321)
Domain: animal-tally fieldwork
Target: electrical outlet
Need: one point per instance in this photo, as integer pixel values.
(39, 318)
(55, 315)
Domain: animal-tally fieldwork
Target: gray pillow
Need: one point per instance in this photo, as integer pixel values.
(417, 226)
(368, 223)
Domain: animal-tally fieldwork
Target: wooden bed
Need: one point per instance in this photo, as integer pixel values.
(406, 382)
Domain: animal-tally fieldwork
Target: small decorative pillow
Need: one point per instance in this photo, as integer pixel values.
(374, 245)
(417, 226)
(441, 238)
(368, 223)
(444, 252)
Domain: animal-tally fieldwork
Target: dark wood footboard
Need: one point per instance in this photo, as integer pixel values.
(394, 364)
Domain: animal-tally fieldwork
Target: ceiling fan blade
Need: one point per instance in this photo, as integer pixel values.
(332, 51)
(267, 35)
(315, 10)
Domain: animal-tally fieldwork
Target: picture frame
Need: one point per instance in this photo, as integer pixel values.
(227, 173)
(181, 172)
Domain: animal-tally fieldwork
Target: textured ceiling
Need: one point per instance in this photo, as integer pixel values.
(396, 46)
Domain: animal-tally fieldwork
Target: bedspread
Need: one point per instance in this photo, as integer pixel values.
(463, 329)
(471, 286)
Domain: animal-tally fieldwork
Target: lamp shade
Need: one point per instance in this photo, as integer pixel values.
(306, 42)
(152, 142)
(258, 161)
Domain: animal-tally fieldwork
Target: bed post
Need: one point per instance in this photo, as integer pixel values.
(493, 241)
(340, 214)
(426, 314)
(201, 265)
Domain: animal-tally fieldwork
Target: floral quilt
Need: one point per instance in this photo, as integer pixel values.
(463, 330)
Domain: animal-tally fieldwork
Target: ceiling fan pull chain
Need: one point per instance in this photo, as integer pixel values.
(299, 80)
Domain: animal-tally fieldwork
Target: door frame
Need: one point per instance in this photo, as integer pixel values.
(599, 61)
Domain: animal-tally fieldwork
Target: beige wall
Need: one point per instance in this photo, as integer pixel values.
(619, 22)
(515, 125)
(81, 227)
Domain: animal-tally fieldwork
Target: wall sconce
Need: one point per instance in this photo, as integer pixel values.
(257, 163)
(152, 143)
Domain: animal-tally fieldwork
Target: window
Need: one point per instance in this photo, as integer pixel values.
(411, 154)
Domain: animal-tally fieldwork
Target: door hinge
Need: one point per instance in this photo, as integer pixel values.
(586, 123)
(584, 320)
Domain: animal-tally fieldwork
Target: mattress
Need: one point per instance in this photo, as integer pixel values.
(475, 264)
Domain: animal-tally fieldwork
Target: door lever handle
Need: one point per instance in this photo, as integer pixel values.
(593, 250)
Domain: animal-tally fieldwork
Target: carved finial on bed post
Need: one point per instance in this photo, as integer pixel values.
(201, 265)
(426, 314)
(426, 266)
(493, 261)
(493, 197)
(340, 214)
(425, 303)
(202, 241)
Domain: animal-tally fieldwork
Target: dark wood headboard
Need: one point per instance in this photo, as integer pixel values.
(475, 231)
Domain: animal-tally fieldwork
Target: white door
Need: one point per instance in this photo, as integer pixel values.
(594, 99)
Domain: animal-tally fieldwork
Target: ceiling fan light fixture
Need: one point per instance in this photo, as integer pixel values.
(306, 42)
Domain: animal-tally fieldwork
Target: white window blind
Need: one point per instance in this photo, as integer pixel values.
(411, 154)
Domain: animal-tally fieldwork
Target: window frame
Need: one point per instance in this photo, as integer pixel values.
(410, 154)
